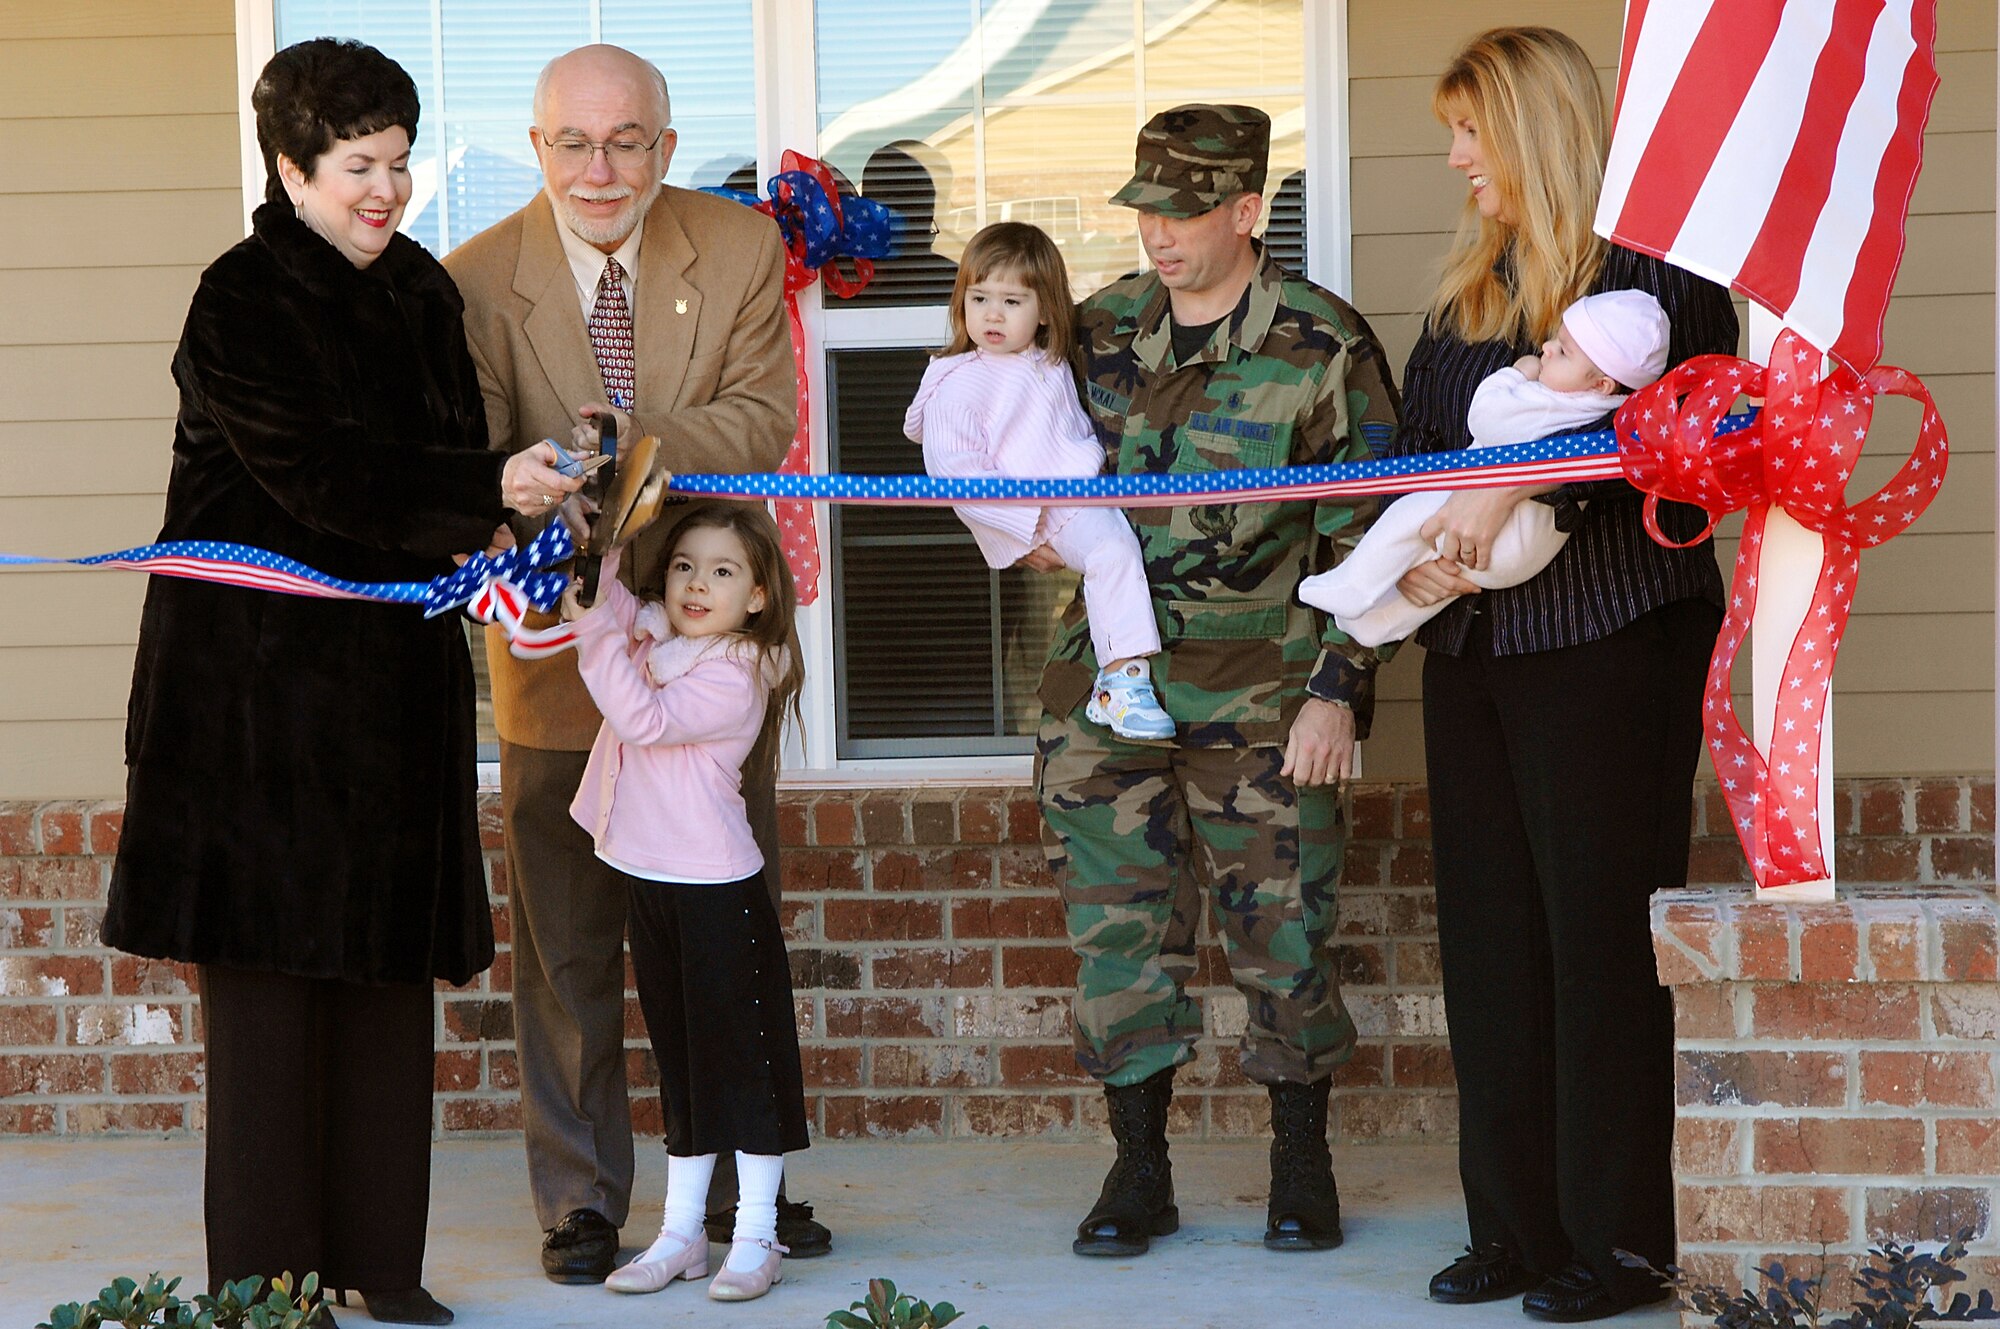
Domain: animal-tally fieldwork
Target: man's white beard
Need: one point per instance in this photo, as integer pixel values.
(609, 232)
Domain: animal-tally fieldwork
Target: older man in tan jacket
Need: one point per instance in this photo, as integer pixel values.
(610, 292)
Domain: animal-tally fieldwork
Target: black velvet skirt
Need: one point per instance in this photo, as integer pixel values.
(716, 989)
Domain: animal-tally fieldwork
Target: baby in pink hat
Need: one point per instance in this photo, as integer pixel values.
(1609, 344)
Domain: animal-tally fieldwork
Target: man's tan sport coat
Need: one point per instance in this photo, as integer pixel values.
(713, 361)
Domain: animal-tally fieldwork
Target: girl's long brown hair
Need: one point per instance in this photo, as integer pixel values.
(773, 630)
(1024, 252)
(1535, 101)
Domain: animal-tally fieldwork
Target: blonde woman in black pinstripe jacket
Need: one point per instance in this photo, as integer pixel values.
(1562, 724)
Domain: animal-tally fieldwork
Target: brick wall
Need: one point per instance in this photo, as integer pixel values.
(928, 955)
(1836, 1077)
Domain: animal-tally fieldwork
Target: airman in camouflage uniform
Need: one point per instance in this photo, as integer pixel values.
(1269, 697)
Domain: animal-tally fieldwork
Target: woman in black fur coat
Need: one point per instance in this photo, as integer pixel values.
(300, 817)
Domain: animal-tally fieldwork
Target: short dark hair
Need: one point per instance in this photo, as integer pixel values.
(317, 92)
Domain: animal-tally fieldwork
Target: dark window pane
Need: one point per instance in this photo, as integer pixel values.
(933, 651)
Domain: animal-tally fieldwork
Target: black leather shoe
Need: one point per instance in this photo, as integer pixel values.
(580, 1249)
(1484, 1273)
(1304, 1213)
(1574, 1295)
(803, 1237)
(1137, 1202)
(409, 1306)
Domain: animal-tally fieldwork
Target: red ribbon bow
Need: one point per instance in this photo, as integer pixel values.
(1798, 456)
(795, 519)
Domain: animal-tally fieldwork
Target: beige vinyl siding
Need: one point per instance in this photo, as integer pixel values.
(120, 118)
(128, 106)
(1915, 684)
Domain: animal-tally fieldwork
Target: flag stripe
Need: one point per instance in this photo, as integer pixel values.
(1820, 309)
(1772, 267)
(1882, 251)
(1635, 19)
(1736, 200)
(1646, 79)
(1706, 96)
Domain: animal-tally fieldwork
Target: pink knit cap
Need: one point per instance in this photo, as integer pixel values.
(1623, 332)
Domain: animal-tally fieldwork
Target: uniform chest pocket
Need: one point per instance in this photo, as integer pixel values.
(1246, 445)
(1217, 443)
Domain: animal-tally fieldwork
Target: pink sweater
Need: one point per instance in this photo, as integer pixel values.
(662, 792)
(981, 414)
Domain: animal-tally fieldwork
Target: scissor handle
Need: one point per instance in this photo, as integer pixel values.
(595, 486)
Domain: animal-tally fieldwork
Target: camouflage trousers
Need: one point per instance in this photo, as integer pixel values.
(1137, 833)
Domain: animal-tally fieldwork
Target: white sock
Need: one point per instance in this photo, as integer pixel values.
(758, 1177)
(687, 1201)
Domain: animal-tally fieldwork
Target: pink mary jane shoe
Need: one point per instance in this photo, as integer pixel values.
(690, 1261)
(728, 1285)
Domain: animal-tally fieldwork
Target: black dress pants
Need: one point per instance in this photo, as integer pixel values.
(319, 1128)
(1561, 786)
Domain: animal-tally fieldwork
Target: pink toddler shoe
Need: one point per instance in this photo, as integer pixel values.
(728, 1285)
(658, 1267)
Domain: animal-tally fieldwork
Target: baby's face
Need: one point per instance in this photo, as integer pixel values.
(1566, 369)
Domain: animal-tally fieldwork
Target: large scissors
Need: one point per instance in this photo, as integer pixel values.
(628, 492)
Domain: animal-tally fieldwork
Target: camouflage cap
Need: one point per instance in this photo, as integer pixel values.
(1193, 157)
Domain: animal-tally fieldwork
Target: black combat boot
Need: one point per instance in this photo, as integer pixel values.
(1137, 1203)
(1305, 1204)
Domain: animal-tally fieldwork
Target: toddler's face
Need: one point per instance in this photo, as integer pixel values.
(1567, 369)
(709, 588)
(1001, 314)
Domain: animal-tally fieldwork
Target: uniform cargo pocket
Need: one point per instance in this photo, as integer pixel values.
(1222, 662)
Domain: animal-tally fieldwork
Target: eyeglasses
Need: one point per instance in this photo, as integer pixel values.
(574, 151)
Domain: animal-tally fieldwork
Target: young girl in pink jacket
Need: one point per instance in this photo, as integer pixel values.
(686, 685)
(1001, 399)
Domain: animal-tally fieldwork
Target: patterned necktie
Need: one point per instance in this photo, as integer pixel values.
(611, 336)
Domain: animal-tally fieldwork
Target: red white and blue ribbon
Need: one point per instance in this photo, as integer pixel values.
(501, 590)
(236, 565)
(1799, 458)
(504, 604)
(524, 567)
(225, 564)
(1563, 459)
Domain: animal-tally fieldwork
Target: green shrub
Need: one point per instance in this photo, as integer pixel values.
(885, 1308)
(153, 1305)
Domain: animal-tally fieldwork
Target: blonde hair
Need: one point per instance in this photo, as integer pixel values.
(772, 630)
(1016, 249)
(1534, 99)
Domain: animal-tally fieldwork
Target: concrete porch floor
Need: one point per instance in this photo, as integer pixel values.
(984, 1225)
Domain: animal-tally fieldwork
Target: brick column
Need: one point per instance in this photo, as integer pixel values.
(1836, 1076)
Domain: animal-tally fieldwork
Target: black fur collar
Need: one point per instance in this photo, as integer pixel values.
(315, 264)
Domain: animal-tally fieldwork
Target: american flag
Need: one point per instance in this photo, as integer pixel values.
(1774, 146)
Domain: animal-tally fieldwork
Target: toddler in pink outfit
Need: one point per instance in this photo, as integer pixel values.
(1001, 399)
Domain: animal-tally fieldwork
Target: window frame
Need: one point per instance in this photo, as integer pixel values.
(783, 34)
